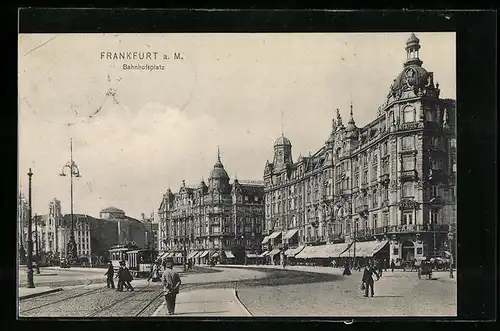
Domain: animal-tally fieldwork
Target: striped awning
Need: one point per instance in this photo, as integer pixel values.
(265, 240)
(163, 255)
(192, 254)
(204, 253)
(252, 256)
(215, 254)
(229, 254)
(264, 254)
(291, 252)
(364, 248)
(290, 233)
(275, 234)
(198, 253)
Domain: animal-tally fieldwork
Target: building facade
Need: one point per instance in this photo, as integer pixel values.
(214, 217)
(93, 236)
(392, 180)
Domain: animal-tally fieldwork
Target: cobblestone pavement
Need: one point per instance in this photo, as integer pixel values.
(97, 301)
(396, 294)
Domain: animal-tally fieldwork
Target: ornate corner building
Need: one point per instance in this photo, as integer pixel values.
(393, 179)
(213, 217)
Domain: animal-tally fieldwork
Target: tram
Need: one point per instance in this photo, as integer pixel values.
(118, 253)
(140, 261)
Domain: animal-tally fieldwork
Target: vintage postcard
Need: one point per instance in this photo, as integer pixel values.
(243, 174)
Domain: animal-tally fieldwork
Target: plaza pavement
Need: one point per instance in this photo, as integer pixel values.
(397, 293)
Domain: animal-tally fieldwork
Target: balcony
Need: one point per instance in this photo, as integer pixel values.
(408, 175)
(362, 209)
(384, 179)
(442, 228)
(410, 126)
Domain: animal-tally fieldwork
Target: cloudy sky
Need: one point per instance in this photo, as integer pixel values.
(163, 126)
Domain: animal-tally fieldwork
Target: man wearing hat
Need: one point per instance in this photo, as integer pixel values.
(171, 284)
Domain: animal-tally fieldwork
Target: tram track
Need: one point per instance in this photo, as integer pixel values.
(61, 300)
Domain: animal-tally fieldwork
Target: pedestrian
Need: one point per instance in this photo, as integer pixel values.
(120, 275)
(171, 284)
(110, 273)
(347, 270)
(152, 272)
(386, 263)
(393, 265)
(367, 280)
(379, 267)
(127, 278)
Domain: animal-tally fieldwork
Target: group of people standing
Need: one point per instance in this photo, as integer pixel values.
(124, 277)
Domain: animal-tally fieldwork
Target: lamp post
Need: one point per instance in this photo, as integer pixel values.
(73, 172)
(30, 242)
(22, 251)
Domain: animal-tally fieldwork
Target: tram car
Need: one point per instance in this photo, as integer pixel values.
(118, 253)
(140, 261)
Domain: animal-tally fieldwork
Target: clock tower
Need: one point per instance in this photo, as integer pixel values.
(282, 153)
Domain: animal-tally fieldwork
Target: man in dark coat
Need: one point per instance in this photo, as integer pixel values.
(393, 265)
(171, 284)
(110, 283)
(367, 279)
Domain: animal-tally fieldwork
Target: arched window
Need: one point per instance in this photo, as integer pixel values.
(408, 114)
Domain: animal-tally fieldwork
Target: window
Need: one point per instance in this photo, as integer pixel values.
(375, 199)
(434, 191)
(396, 251)
(436, 164)
(385, 219)
(408, 218)
(365, 176)
(419, 250)
(453, 142)
(434, 216)
(408, 190)
(408, 115)
(407, 143)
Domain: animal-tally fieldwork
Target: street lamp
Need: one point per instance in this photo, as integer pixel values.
(73, 172)
(30, 242)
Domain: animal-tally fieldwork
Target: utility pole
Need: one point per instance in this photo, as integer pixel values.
(30, 242)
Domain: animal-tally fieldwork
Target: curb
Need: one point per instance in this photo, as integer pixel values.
(248, 313)
(157, 311)
(33, 295)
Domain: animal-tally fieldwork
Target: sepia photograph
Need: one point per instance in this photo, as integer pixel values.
(237, 175)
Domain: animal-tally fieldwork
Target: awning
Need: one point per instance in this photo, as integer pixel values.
(204, 253)
(192, 254)
(447, 253)
(274, 234)
(198, 253)
(266, 239)
(334, 250)
(252, 256)
(274, 252)
(167, 254)
(364, 248)
(311, 252)
(229, 254)
(291, 252)
(264, 254)
(163, 255)
(215, 254)
(290, 234)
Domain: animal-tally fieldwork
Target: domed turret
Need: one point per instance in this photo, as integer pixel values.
(351, 128)
(218, 172)
(282, 141)
(414, 76)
